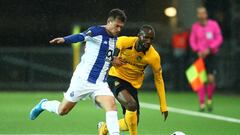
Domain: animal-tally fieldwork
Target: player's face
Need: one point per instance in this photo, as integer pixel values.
(115, 26)
(146, 37)
(202, 14)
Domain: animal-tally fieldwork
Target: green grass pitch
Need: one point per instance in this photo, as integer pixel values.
(82, 120)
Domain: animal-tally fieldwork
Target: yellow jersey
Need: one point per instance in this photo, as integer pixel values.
(136, 62)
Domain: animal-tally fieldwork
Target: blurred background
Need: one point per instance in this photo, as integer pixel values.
(29, 62)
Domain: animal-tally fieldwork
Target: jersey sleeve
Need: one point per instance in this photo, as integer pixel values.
(83, 36)
(124, 42)
(158, 80)
(193, 39)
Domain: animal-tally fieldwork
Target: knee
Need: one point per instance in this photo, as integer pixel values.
(63, 111)
(109, 105)
(112, 106)
(131, 106)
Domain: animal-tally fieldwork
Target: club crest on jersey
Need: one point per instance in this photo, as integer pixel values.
(116, 83)
(139, 58)
(105, 42)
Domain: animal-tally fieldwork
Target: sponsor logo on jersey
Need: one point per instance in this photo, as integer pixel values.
(116, 83)
(139, 58)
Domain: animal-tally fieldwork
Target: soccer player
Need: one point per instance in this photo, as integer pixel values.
(89, 78)
(205, 41)
(125, 80)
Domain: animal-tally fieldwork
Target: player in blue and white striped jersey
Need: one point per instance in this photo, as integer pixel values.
(89, 78)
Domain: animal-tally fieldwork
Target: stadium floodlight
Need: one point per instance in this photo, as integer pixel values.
(170, 12)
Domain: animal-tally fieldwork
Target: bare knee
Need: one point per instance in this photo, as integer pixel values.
(63, 111)
(107, 103)
(111, 105)
(131, 106)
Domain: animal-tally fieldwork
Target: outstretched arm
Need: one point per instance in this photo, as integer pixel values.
(68, 39)
(159, 83)
(75, 37)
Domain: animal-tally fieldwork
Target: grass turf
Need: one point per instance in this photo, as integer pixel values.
(15, 107)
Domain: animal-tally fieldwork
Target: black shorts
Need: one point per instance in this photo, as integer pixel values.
(116, 85)
(210, 62)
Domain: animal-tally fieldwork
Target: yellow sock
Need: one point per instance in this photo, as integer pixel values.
(103, 129)
(123, 125)
(131, 120)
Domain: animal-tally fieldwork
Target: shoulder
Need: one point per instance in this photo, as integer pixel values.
(126, 41)
(195, 25)
(213, 22)
(96, 30)
(154, 55)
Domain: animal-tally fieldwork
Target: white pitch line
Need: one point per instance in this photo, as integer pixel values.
(191, 113)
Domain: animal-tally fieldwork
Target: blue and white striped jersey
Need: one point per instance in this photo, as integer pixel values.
(96, 59)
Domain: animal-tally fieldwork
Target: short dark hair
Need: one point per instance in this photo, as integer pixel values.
(117, 13)
(146, 26)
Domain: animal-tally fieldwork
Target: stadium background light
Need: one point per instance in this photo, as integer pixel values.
(76, 47)
(170, 12)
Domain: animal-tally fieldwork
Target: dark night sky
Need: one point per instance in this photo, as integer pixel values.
(35, 22)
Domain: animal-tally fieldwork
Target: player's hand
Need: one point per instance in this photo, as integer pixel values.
(59, 40)
(165, 114)
(200, 55)
(118, 61)
(206, 53)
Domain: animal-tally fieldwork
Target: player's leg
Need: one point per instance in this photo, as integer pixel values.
(54, 106)
(71, 97)
(211, 85)
(58, 108)
(130, 106)
(210, 90)
(201, 96)
(109, 105)
(117, 85)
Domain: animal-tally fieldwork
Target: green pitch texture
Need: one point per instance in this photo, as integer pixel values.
(82, 120)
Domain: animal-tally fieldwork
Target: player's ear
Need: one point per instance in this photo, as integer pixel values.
(109, 20)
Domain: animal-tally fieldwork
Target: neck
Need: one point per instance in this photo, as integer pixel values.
(203, 22)
(138, 48)
(108, 30)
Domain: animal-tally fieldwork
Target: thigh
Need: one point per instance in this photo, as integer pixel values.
(103, 96)
(123, 91)
(127, 100)
(79, 89)
(210, 62)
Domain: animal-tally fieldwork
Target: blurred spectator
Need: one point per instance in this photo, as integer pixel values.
(180, 44)
(205, 40)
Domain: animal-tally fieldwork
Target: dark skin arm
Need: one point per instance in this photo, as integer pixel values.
(117, 61)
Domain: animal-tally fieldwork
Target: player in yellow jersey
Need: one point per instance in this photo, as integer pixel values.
(136, 53)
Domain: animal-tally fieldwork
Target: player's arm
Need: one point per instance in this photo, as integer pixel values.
(217, 37)
(159, 83)
(193, 39)
(74, 38)
(117, 61)
(69, 39)
(122, 43)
